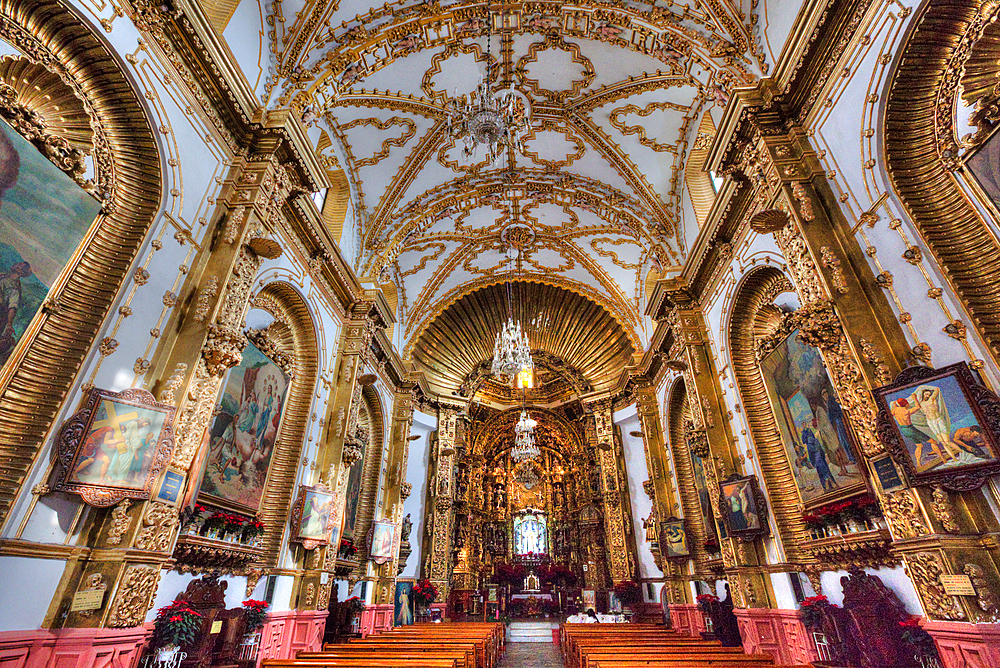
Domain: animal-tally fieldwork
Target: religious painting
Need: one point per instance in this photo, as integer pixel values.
(402, 599)
(812, 424)
(743, 507)
(939, 425)
(44, 216)
(312, 517)
(354, 481)
(589, 597)
(665, 605)
(382, 537)
(530, 533)
(243, 434)
(115, 447)
(704, 500)
(614, 603)
(674, 538)
(985, 168)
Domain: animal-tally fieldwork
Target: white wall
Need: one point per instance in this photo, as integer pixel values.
(416, 475)
(27, 587)
(641, 505)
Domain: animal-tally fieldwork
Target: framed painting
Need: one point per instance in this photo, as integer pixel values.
(381, 540)
(940, 426)
(402, 603)
(589, 598)
(673, 538)
(115, 447)
(744, 509)
(244, 432)
(313, 517)
(44, 216)
(817, 437)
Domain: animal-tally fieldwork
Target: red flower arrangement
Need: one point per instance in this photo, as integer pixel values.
(354, 605)
(859, 509)
(510, 574)
(813, 610)
(176, 624)
(253, 528)
(917, 638)
(424, 593)
(347, 548)
(711, 546)
(255, 613)
(556, 574)
(705, 601)
(628, 592)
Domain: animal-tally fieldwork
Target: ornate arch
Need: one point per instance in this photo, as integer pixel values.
(922, 152)
(694, 515)
(754, 295)
(129, 182)
(371, 473)
(294, 334)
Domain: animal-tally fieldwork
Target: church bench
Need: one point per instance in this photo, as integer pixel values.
(361, 662)
(619, 660)
(675, 655)
(465, 654)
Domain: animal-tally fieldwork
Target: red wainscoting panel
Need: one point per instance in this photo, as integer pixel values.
(286, 633)
(73, 648)
(375, 619)
(687, 618)
(966, 645)
(776, 632)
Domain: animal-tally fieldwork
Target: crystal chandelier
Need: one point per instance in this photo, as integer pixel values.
(511, 352)
(495, 120)
(524, 439)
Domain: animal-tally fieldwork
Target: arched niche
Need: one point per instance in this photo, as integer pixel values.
(293, 333)
(922, 151)
(365, 475)
(694, 487)
(752, 317)
(126, 164)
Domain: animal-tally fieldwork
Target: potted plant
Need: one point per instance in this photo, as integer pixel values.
(919, 641)
(232, 526)
(347, 549)
(354, 605)
(813, 611)
(705, 602)
(213, 524)
(255, 614)
(252, 530)
(176, 625)
(191, 517)
(628, 593)
(424, 593)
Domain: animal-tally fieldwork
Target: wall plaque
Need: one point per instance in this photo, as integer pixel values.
(958, 585)
(88, 599)
(216, 627)
(888, 475)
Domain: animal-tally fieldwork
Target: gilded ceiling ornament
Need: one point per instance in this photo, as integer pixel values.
(883, 376)
(120, 522)
(409, 130)
(832, 262)
(554, 41)
(159, 520)
(903, 515)
(944, 510)
(616, 118)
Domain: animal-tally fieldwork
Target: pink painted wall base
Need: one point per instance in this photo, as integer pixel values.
(73, 648)
(286, 633)
(779, 633)
(965, 645)
(687, 618)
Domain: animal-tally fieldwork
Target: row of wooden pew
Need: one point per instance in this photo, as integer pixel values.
(649, 646)
(466, 645)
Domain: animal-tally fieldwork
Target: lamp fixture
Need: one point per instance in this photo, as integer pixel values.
(525, 447)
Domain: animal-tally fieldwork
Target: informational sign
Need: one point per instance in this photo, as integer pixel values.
(88, 599)
(170, 488)
(888, 475)
(957, 585)
(216, 626)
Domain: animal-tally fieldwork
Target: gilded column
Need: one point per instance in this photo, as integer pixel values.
(621, 564)
(442, 499)
(399, 449)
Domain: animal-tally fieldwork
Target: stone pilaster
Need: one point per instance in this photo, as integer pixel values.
(442, 499)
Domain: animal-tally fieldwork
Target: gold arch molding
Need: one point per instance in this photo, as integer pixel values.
(294, 335)
(921, 150)
(565, 324)
(41, 371)
(370, 474)
(756, 291)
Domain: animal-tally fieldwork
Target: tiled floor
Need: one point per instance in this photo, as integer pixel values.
(532, 655)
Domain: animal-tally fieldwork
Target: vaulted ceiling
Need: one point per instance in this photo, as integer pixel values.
(595, 199)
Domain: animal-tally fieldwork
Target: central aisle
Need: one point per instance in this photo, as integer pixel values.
(531, 655)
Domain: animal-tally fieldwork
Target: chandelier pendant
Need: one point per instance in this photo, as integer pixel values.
(524, 439)
(488, 120)
(511, 352)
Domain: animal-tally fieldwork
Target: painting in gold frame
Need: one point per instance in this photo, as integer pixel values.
(115, 447)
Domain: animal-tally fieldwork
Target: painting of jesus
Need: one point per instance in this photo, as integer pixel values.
(119, 446)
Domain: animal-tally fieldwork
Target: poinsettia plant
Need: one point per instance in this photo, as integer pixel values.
(628, 592)
(354, 605)
(705, 601)
(347, 548)
(813, 610)
(919, 640)
(255, 613)
(510, 574)
(176, 625)
(233, 524)
(253, 528)
(424, 593)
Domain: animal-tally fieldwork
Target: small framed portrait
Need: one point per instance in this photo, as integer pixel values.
(673, 538)
(381, 540)
(744, 509)
(115, 447)
(313, 517)
(940, 426)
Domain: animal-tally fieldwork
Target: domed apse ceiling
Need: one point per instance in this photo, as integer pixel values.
(594, 200)
(579, 345)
